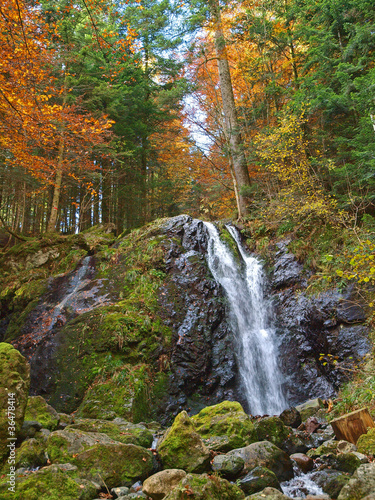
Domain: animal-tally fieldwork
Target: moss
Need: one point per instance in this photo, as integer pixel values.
(31, 454)
(182, 447)
(272, 429)
(226, 419)
(51, 483)
(366, 443)
(114, 464)
(38, 409)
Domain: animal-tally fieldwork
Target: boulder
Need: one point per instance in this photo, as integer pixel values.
(268, 493)
(38, 409)
(331, 481)
(266, 454)
(366, 442)
(31, 454)
(309, 408)
(346, 462)
(204, 487)
(182, 447)
(362, 483)
(327, 447)
(119, 430)
(113, 464)
(226, 419)
(291, 417)
(273, 430)
(162, 483)
(228, 466)
(304, 462)
(14, 391)
(258, 479)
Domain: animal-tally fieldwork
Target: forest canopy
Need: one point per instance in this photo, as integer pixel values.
(125, 112)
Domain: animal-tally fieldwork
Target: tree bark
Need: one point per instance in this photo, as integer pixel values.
(51, 227)
(241, 172)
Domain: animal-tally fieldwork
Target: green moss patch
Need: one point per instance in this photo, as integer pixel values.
(38, 409)
(204, 487)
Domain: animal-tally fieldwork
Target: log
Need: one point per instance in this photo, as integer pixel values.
(352, 425)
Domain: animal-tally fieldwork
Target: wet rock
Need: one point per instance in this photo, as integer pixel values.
(15, 380)
(311, 425)
(183, 448)
(225, 419)
(362, 483)
(266, 454)
(38, 409)
(204, 487)
(324, 449)
(304, 462)
(120, 491)
(287, 270)
(160, 484)
(309, 408)
(346, 462)
(258, 479)
(291, 417)
(272, 429)
(228, 466)
(331, 481)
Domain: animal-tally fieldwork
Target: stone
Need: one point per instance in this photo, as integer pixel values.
(291, 417)
(183, 448)
(228, 466)
(29, 429)
(204, 487)
(345, 447)
(64, 420)
(38, 409)
(311, 425)
(304, 462)
(226, 419)
(366, 443)
(266, 454)
(268, 493)
(160, 484)
(258, 479)
(119, 430)
(331, 481)
(346, 462)
(272, 429)
(31, 454)
(120, 491)
(14, 379)
(309, 408)
(362, 483)
(329, 446)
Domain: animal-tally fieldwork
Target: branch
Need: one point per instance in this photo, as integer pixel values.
(10, 231)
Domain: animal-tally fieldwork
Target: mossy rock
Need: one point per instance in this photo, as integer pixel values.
(15, 380)
(132, 394)
(204, 487)
(366, 442)
(114, 464)
(225, 419)
(268, 493)
(324, 449)
(258, 479)
(50, 483)
(183, 448)
(272, 429)
(64, 445)
(119, 430)
(310, 408)
(39, 410)
(361, 483)
(31, 454)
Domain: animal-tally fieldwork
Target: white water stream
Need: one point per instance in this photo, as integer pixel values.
(251, 322)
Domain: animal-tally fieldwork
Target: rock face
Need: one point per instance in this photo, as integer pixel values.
(308, 326)
(14, 390)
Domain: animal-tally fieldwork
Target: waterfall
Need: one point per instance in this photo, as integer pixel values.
(251, 322)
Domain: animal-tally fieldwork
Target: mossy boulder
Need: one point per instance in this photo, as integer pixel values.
(310, 408)
(366, 442)
(183, 448)
(14, 390)
(228, 466)
(272, 429)
(331, 481)
(114, 464)
(50, 483)
(159, 485)
(327, 447)
(64, 445)
(258, 479)
(204, 487)
(119, 430)
(31, 454)
(225, 419)
(268, 493)
(266, 454)
(39, 410)
(361, 483)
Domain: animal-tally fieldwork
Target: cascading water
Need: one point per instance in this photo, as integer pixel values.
(250, 320)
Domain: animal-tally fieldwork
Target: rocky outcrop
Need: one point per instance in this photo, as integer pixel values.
(314, 330)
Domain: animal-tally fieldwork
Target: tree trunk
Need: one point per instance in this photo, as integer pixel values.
(51, 227)
(241, 172)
